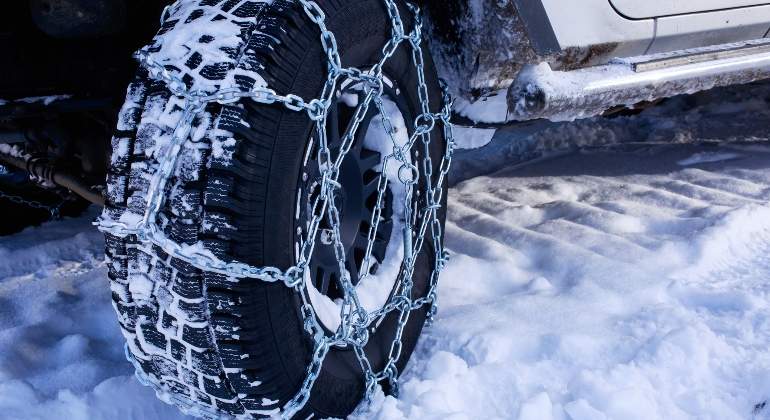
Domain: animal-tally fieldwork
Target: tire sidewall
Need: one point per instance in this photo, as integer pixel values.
(361, 28)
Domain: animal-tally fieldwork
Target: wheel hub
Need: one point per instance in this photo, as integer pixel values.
(355, 201)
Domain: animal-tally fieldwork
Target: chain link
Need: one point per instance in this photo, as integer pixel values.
(53, 210)
(356, 321)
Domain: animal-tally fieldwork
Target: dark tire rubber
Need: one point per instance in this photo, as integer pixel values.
(214, 345)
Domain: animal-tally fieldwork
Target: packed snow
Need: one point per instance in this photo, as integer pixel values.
(61, 355)
(604, 285)
(627, 281)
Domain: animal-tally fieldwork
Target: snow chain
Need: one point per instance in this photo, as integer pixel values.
(54, 210)
(355, 319)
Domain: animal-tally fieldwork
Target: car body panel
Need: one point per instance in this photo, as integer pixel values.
(589, 23)
(494, 41)
(490, 41)
(636, 9)
(594, 22)
(703, 29)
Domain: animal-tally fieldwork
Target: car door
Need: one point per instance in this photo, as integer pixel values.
(683, 24)
(638, 9)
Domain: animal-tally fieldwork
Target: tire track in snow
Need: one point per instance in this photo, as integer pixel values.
(675, 328)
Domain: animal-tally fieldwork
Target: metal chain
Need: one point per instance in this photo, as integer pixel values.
(354, 328)
(52, 210)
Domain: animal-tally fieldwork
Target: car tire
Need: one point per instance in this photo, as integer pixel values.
(210, 344)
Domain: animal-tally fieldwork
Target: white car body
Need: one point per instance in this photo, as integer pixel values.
(566, 59)
(645, 27)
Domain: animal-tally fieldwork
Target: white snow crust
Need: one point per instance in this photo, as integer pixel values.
(593, 283)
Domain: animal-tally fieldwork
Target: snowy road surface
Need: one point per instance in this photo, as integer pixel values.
(607, 285)
(622, 283)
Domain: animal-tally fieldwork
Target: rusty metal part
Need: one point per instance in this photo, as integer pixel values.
(44, 169)
(481, 46)
(576, 58)
(478, 49)
(540, 92)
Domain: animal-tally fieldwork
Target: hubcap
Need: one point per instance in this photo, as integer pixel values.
(361, 173)
(355, 200)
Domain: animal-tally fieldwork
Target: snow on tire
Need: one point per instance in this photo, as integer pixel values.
(214, 345)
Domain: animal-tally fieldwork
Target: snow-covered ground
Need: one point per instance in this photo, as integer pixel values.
(617, 285)
(61, 355)
(622, 282)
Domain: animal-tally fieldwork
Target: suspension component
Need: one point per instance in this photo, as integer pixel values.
(43, 169)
